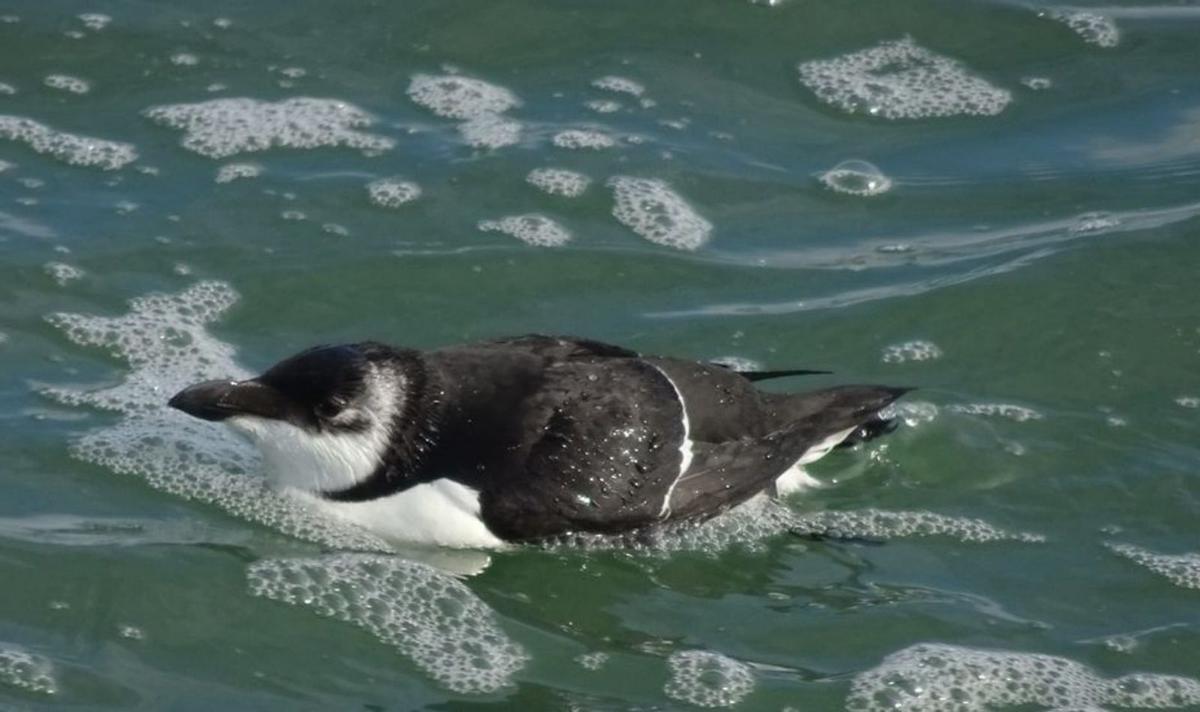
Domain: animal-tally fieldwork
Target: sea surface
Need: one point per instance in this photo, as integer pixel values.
(995, 202)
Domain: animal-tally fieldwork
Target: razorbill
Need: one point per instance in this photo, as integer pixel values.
(528, 438)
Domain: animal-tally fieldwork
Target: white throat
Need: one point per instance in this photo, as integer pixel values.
(331, 460)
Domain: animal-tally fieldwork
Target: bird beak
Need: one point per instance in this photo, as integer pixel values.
(218, 400)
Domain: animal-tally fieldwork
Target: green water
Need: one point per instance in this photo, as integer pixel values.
(1048, 252)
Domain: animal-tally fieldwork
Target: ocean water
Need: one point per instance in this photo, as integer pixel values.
(995, 202)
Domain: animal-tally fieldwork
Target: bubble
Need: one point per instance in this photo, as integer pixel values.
(856, 177)
(604, 106)
(1180, 569)
(125, 207)
(392, 192)
(62, 273)
(1094, 28)
(223, 23)
(294, 72)
(619, 84)
(456, 97)
(64, 82)
(1188, 401)
(901, 80)
(428, 616)
(935, 677)
(294, 215)
(577, 139)
(592, 661)
(8, 89)
(94, 20)
(490, 131)
(1037, 83)
(28, 671)
(220, 128)
(559, 181)
(69, 148)
(165, 342)
(708, 679)
(1002, 410)
(911, 351)
(531, 228)
(653, 210)
(184, 59)
(236, 171)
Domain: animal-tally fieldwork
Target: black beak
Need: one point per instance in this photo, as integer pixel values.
(218, 400)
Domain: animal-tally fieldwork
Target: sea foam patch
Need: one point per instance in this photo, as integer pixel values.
(25, 670)
(1180, 569)
(855, 177)
(68, 148)
(430, 617)
(583, 139)
(237, 171)
(901, 80)
(708, 679)
(220, 128)
(752, 523)
(392, 192)
(479, 105)
(166, 343)
(558, 181)
(935, 677)
(531, 228)
(653, 210)
(67, 83)
(1092, 27)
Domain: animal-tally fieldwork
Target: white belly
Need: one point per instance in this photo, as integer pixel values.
(438, 513)
(795, 478)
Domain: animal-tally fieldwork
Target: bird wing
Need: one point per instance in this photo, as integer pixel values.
(562, 348)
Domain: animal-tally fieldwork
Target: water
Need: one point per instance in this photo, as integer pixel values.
(1020, 242)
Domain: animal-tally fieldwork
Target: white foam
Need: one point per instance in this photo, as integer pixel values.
(490, 131)
(7, 89)
(184, 59)
(707, 679)
(457, 97)
(579, 139)
(294, 215)
(653, 210)
(26, 670)
(66, 147)
(911, 413)
(236, 171)
(427, 615)
(592, 661)
(901, 80)
(604, 106)
(1093, 27)
(1180, 569)
(392, 192)
(65, 82)
(1188, 401)
(619, 84)
(94, 20)
(912, 351)
(1094, 222)
(558, 181)
(761, 518)
(5, 165)
(223, 23)
(62, 273)
(1018, 413)
(935, 677)
(224, 127)
(165, 341)
(1037, 83)
(531, 228)
(856, 177)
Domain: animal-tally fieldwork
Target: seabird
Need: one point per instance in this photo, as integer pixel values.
(529, 438)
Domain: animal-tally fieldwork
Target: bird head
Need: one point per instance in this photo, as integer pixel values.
(323, 418)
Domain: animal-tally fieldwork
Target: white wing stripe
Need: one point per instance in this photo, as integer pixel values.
(685, 447)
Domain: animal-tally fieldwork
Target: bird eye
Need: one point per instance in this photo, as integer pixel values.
(329, 409)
